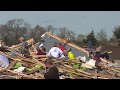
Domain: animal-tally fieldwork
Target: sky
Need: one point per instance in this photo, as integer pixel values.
(81, 22)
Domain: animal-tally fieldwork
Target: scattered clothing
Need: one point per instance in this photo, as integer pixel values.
(20, 69)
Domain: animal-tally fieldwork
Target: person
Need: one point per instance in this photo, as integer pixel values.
(4, 61)
(51, 70)
(24, 50)
(41, 51)
(39, 44)
(62, 47)
(97, 55)
(56, 52)
(104, 54)
(71, 55)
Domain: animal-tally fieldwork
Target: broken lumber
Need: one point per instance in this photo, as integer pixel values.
(65, 41)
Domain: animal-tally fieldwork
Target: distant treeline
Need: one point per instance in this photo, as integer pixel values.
(15, 28)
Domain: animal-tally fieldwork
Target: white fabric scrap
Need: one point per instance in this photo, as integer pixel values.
(19, 70)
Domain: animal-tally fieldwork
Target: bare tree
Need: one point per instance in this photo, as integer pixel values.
(116, 32)
(66, 34)
(70, 35)
(102, 37)
(13, 29)
(50, 28)
(62, 32)
(80, 37)
(37, 32)
(1, 31)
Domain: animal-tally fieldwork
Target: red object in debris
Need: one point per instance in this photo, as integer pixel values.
(62, 48)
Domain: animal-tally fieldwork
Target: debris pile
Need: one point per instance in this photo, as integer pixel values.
(33, 67)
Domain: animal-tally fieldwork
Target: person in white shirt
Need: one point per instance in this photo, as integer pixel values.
(56, 52)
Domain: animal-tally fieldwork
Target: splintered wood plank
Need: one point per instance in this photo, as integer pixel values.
(2, 69)
(39, 56)
(70, 67)
(4, 54)
(33, 71)
(102, 75)
(11, 64)
(42, 60)
(38, 62)
(8, 73)
(24, 75)
(39, 75)
(18, 59)
(76, 73)
(77, 70)
(74, 61)
(66, 41)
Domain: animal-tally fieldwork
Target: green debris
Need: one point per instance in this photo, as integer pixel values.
(77, 66)
(17, 65)
(83, 68)
(70, 74)
(28, 69)
(38, 66)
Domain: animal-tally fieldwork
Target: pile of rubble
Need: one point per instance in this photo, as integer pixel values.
(33, 67)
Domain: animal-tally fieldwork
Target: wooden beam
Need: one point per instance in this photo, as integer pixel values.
(68, 43)
(23, 75)
(11, 64)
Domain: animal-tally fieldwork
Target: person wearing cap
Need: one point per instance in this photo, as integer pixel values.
(56, 52)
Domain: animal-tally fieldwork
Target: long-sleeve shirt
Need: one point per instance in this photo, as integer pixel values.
(56, 52)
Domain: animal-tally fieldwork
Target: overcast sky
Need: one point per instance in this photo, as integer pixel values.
(82, 22)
